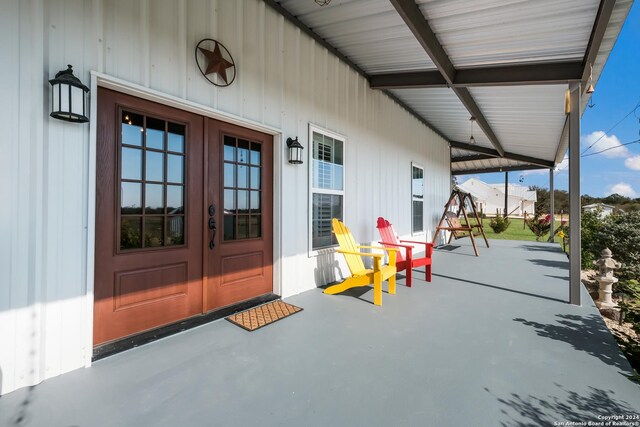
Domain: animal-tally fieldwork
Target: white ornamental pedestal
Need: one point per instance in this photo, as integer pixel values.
(606, 264)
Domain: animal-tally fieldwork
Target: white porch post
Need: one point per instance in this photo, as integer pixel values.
(574, 195)
(552, 206)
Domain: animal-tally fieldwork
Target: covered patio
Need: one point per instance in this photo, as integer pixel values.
(491, 341)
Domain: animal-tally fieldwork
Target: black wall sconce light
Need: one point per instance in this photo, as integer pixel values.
(68, 97)
(295, 151)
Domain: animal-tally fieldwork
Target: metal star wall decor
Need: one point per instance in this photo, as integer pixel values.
(215, 62)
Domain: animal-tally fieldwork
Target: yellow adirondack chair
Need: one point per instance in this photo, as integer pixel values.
(361, 276)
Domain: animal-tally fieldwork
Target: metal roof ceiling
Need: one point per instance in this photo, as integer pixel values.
(487, 32)
(442, 108)
(525, 120)
(369, 32)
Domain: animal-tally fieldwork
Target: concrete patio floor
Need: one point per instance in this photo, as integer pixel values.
(491, 341)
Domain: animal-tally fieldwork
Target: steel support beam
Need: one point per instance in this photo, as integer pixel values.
(413, 17)
(575, 284)
(497, 169)
(506, 155)
(552, 207)
(506, 194)
(551, 73)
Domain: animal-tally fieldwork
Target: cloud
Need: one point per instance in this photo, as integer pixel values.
(563, 164)
(623, 189)
(560, 166)
(605, 141)
(633, 163)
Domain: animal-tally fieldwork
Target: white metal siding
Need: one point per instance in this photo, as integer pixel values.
(284, 81)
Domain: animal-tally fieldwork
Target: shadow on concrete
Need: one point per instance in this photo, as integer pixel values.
(542, 248)
(557, 277)
(584, 333)
(562, 407)
(551, 263)
(358, 292)
(448, 248)
(499, 288)
(452, 248)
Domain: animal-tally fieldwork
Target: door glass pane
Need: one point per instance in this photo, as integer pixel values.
(175, 168)
(132, 129)
(155, 133)
(229, 175)
(255, 202)
(130, 198)
(175, 138)
(154, 166)
(243, 151)
(153, 231)
(255, 153)
(154, 199)
(229, 201)
(175, 199)
(255, 227)
(255, 178)
(243, 201)
(130, 232)
(175, 230)
(229, 227)
(158, 197)
(131, 163)
(243, 226)
(243, 176)
(230, 148)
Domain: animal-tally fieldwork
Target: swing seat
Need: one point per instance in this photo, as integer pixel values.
(458, 231)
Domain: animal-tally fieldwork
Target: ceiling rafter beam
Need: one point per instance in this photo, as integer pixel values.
(415, 20)
(597, 33)
(530, 74)
(497, 169)
(322, 42)
(472, 158)
(541, 163)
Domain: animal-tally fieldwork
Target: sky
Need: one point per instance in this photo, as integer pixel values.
(617, 93)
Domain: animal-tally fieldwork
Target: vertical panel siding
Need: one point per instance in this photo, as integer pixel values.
(285, 80)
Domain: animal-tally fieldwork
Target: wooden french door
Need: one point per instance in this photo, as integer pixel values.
(239, 257)
(175, 236)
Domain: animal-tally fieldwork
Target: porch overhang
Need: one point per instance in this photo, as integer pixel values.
(445, 63)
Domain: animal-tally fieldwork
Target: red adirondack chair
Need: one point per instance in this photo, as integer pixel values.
(408, 262)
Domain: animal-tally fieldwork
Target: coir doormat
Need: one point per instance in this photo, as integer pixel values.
(256, 318)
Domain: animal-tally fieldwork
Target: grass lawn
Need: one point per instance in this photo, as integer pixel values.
(514, 232)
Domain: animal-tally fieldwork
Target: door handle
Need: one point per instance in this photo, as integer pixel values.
(212, 226)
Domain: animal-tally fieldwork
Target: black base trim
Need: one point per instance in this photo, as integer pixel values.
(114, 347)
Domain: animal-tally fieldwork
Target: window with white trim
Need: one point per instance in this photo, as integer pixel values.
(417, 199)
(327, 186)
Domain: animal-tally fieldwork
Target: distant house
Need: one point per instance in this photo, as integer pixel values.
(605, 210)
(489, 198)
